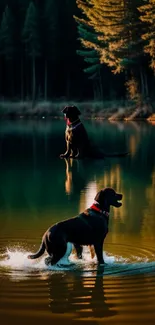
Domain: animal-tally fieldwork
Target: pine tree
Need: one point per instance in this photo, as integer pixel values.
(91, 57)
(7, 46)
(99, 17)
(20, 8)
(148, 17)
(32, 41)
(119, 30)
(7, 34)
(68, 43)
(135, 61)
(50, 36)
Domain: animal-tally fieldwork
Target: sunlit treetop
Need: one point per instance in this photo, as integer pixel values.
(148, 17)
(118, 29)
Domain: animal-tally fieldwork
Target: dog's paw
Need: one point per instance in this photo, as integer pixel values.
(48, 260)
(62, 156)
(79, 256)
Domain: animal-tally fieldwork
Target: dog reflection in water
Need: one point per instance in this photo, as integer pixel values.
(69, 176)
(75, 176)
(81, 296)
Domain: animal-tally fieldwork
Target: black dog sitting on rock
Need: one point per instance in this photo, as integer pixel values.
(88, 228)
(77, 141)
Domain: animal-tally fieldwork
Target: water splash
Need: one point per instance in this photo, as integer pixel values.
(115, 265)
(17, 259)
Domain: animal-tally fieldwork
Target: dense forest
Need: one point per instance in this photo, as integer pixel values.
(77, 49)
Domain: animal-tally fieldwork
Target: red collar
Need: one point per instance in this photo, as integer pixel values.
(96, 208)
(67, 121)
(72, 123)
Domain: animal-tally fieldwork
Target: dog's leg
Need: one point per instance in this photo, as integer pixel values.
(82, 152)
(56, 252)
(99, 252)
(74, 152)
(92, 251)
(79, 154)
(79, 250)
(68, 151)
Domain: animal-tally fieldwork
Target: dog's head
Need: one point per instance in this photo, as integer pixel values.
(71, 111)
(107, 197)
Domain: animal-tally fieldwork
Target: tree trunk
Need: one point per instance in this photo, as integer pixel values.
(11, 77)
(94, 90)
(98, 89)
(22, 78)
(0, 76)
(27, 78)
(68, 85)
(45, 85)
(146, 85)
(100, 85)
(142, 83)
(33, 80)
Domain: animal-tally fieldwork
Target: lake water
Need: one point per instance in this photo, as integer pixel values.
(38, 189)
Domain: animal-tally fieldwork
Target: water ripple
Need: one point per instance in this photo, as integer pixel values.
(121, 293)
(141, 262)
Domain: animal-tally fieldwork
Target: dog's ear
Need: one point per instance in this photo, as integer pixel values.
(72, 110)
(99, 197)
(76, 110)
(65, 110)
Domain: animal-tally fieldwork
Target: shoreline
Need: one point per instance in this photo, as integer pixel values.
(51, 118)
(108, 110)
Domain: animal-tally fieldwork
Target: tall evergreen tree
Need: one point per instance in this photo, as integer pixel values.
(19, 8)
(2, 6)
(91, 57)
(135, 60)
(50, 36)
(7, 34)
(7, 46)
(32, 41)
(119, 30)
(148, 17)
(68, 44)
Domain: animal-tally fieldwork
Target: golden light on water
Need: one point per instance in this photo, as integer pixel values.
(151, 119)
(110, 178)
(68, 181)
(125, 294)
(133, 143)
(148, 226)
(87, 197)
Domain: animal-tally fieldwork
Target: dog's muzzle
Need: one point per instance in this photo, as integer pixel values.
(118, 198)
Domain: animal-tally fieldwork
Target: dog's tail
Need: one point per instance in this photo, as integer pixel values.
(39, 253)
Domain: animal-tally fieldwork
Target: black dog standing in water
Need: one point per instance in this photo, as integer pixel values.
(88, 228)
(77, 142)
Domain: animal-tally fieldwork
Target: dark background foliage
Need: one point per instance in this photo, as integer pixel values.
(41, 55)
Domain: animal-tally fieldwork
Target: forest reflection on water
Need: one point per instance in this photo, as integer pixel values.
(38, 189)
